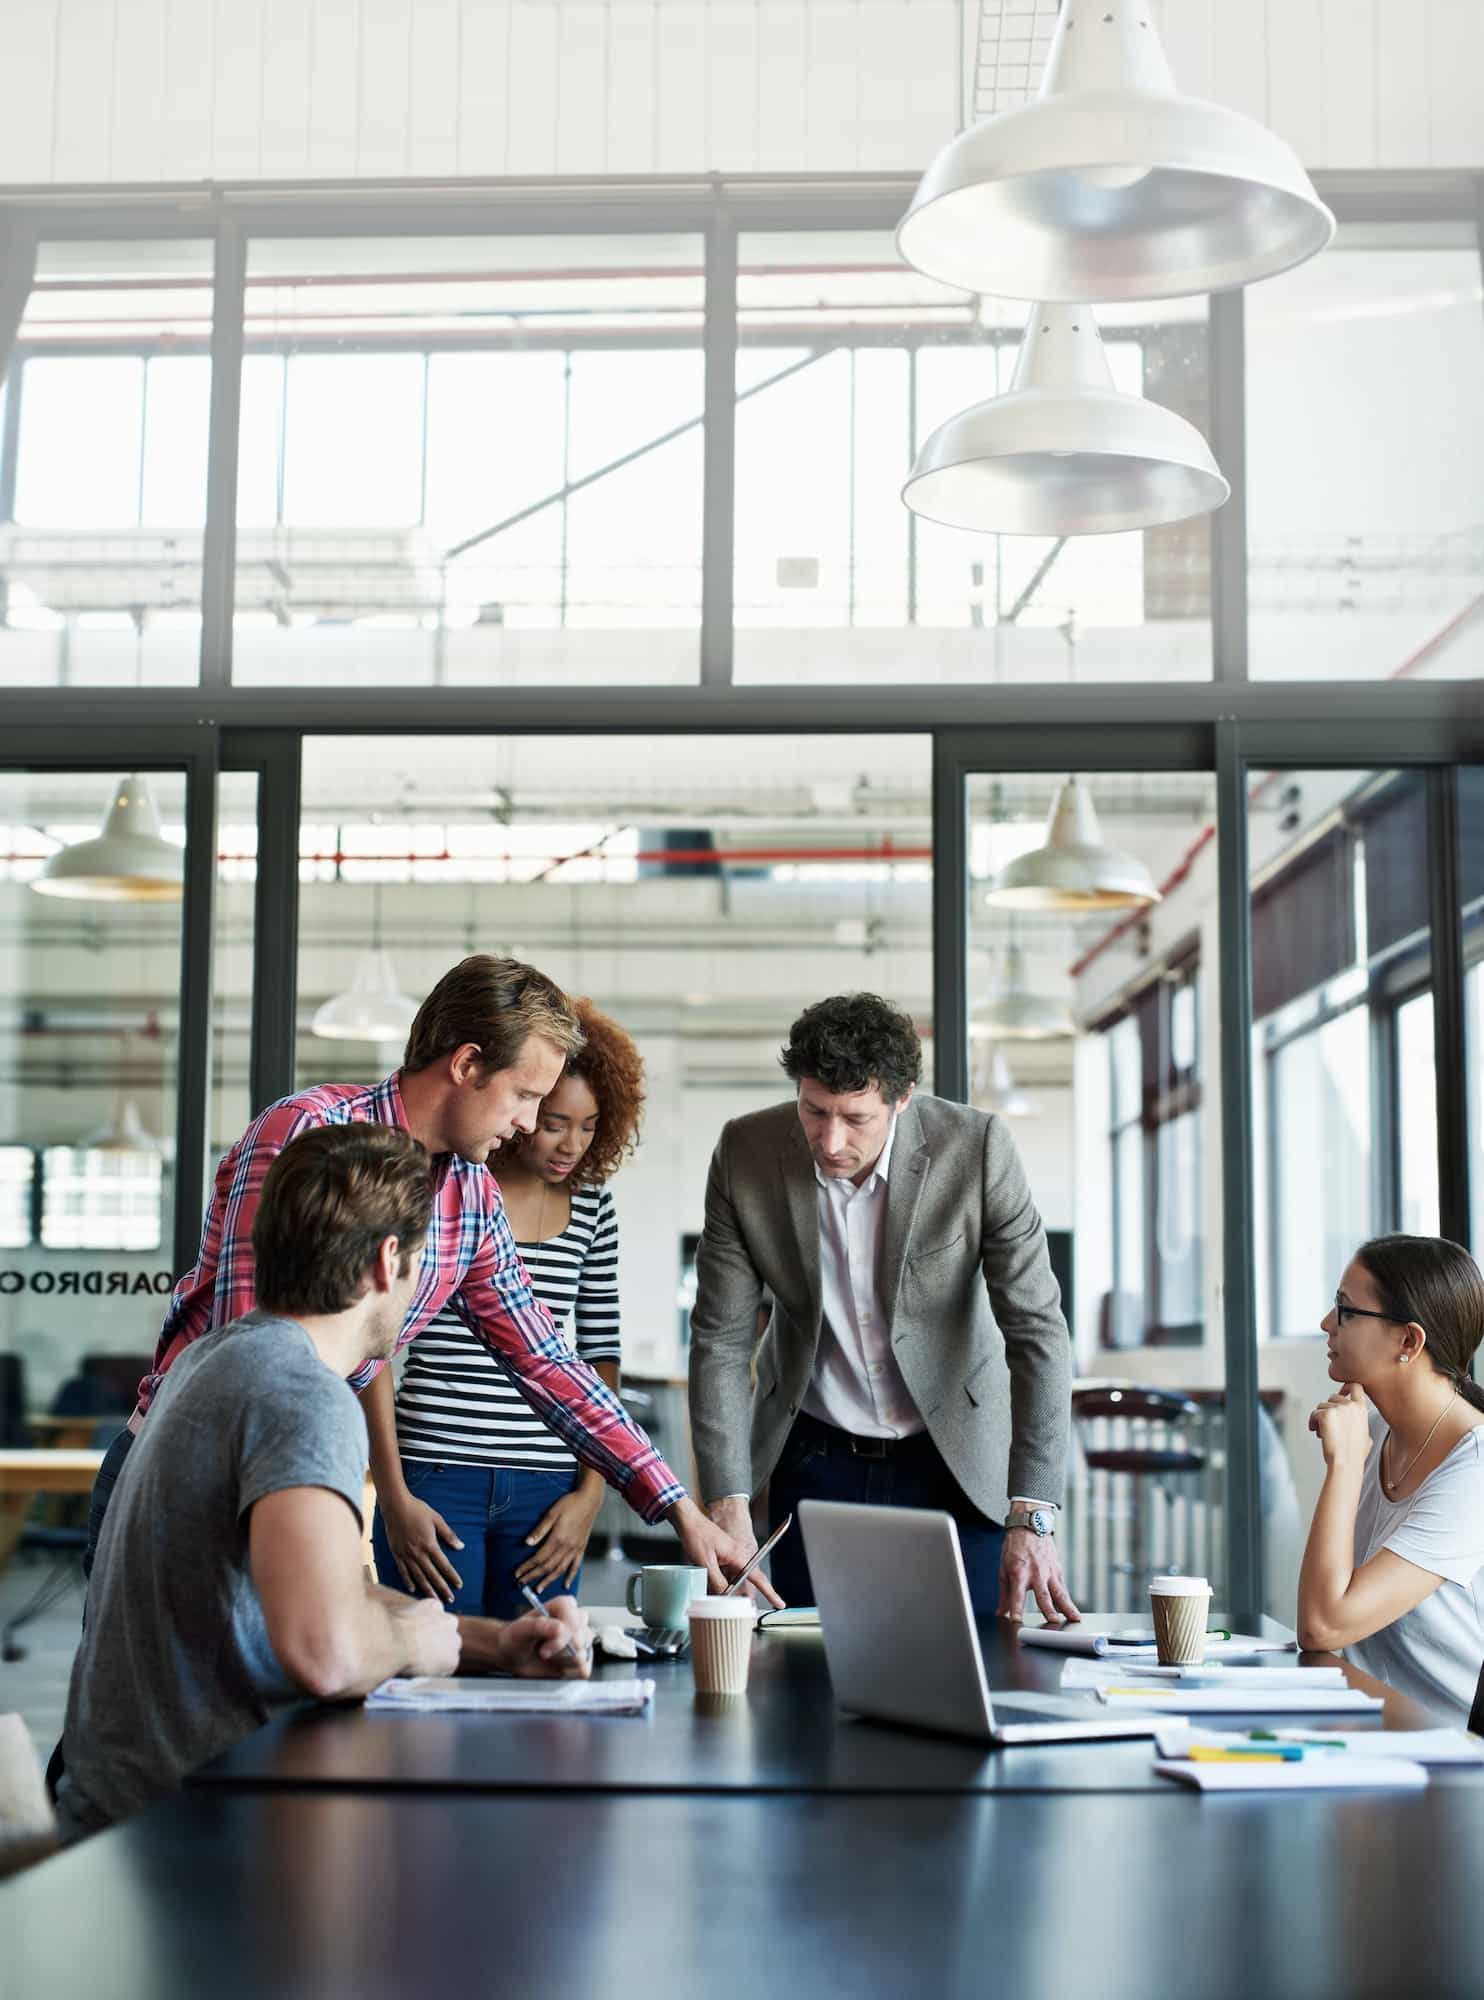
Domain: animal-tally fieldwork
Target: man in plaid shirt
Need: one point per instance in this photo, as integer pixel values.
(488, 1044)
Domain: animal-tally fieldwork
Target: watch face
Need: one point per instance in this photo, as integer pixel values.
(1041, 1521)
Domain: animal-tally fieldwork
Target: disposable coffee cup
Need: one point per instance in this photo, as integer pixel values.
(1181, 1606)
(721, 1643)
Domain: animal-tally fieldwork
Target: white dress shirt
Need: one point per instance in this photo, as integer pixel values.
(856, 1385)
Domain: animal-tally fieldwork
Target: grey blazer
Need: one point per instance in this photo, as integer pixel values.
(976, 1323)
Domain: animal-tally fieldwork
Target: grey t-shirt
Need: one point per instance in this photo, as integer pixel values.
(176, 1663)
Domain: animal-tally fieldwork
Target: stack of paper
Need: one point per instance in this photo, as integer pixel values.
(1218, 1689)
(1077, 1640)
(428, 1694)
(1219, 1761)
(1416, 1746)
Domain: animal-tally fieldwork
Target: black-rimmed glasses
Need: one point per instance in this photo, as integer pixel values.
(1344, 1310)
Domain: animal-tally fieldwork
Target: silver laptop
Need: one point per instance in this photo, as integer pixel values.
(900, 1637)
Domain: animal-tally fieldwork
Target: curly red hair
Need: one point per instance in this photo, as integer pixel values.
(613, 1070)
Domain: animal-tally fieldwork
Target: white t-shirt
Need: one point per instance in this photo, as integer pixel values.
(1435, 1652)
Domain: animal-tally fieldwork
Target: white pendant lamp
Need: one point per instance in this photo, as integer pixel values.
(1003, 1094)
(372, 1010)
(1014, 1013)
(1074, 870)
(125, 1132)
(128, 862)
(1063, 452)
(1111, 185)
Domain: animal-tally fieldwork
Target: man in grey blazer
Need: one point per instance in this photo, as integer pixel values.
(914, 1352)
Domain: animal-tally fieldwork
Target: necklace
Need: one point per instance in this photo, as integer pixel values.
(1397, 1477)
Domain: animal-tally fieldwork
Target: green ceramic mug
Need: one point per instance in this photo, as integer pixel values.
(659, 1594)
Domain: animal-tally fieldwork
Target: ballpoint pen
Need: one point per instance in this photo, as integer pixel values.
(540, 1609)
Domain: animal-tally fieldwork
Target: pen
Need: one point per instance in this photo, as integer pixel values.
(1306, 1742)
(540, 1609)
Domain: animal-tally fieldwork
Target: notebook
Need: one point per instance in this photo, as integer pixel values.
(1320, 1774)
(430, 1694)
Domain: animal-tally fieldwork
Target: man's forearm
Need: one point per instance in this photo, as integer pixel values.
(372, 1650)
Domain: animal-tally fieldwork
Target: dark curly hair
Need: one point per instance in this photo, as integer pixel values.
(852, 1041)
(613, 1070)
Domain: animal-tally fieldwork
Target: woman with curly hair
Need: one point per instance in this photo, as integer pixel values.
(516, 1507)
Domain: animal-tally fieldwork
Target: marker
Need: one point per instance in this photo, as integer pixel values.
(1201, 1753)
(1305, 1742)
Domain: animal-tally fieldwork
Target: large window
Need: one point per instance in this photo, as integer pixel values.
(103, 432)
(847, 362)
(1366, 546)
(471, 460)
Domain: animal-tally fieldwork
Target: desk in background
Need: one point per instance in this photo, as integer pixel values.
(24, 1474)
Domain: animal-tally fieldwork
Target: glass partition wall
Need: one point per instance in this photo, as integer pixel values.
(562, 530)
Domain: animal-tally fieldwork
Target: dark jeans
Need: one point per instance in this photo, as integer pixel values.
(103, 1485)
(491, 1508)
(819, 1464)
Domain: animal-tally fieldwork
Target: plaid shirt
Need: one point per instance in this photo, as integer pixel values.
(469, 1262)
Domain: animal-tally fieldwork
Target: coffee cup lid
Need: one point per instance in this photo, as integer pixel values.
(1179, 1586)
(722, 1607)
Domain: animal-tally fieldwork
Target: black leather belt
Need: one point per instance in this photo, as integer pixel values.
(834, 1439)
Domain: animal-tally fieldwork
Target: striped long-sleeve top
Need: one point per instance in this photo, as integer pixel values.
(469, 1262)
(457, 1401)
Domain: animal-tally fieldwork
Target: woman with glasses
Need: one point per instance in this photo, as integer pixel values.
(511, 1504)
(1394, 1568)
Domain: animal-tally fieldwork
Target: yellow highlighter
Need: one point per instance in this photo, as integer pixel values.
(1203, 1754)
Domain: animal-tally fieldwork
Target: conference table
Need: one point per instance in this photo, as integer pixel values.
(746, 1847)
(786, 1736)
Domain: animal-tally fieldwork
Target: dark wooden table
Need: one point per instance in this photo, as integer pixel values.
(785, 1735)
(357, 1896)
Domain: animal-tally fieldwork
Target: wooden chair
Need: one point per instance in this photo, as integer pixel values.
(28, 1826)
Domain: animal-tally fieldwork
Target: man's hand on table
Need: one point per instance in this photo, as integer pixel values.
(1031, 1564)
(722, 1551)
(537, 1648)
(414, 1531)
(433, 1639)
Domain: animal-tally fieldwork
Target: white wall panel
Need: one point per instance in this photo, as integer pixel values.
(111, 90)
(284, 78)
(190, 32)
(84, 89)
(581, 94)
(530, 84)
(137, 89)
(732, 85)
(433, 94)
(1351, 81)
(783, 84)
(27, 76)
(679, 92)
(385, 65)
(237, 94)
(334, 87)
(631, 66)
(484, 76)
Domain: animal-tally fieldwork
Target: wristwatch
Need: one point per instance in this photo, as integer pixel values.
(1039, 1520)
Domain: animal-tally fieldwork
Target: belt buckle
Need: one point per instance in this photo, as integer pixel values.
(864, 1447)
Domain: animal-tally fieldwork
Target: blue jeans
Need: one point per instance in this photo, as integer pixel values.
(491, 1508)
(818, 1464)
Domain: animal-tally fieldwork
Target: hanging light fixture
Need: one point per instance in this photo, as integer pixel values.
(1111, 185)
(128, 862)
(125, 1132)
(1063, 452)
(1002, 1093)
(1074, 870)
(1014, 1013)
(372, 1009)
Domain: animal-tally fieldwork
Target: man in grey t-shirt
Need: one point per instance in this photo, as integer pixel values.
(231, 1582)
